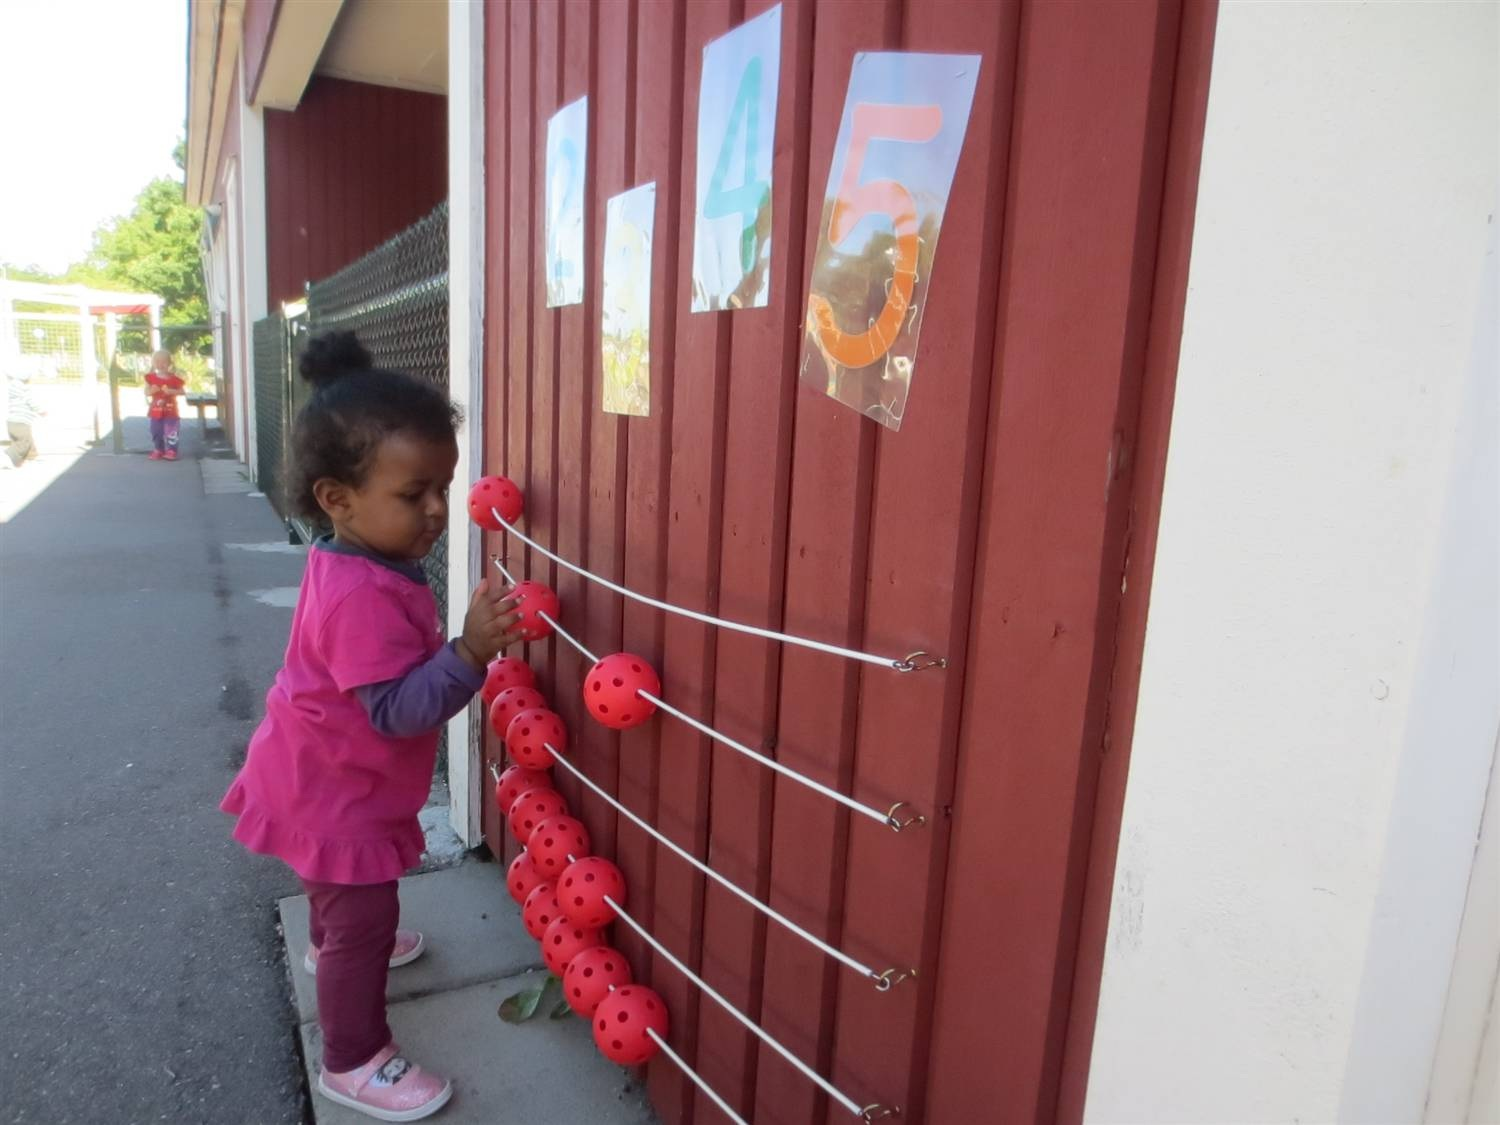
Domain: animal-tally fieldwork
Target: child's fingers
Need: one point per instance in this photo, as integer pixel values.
(480, 593)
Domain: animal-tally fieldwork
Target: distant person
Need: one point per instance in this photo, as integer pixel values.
(21, 413)
(342, 762)
(164, 386)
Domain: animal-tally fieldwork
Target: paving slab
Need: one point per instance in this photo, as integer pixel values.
(542, 1072)
(473, 932)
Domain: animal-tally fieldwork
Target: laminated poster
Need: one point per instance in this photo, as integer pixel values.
(567, 164)
(736, 138)
(903, 127)
(625, 336)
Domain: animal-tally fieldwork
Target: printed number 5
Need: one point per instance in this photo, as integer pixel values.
(914, 124)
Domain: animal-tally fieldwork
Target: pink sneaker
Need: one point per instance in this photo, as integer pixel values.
(388, 1087)
(169, 455)
(156, 455)
(409, 946)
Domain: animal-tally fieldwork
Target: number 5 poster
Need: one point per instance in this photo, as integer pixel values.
(736, 139)
(904, 121)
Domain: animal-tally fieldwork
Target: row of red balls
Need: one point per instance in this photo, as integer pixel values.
(565, 892)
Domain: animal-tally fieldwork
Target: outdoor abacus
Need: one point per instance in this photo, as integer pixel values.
(567, 895)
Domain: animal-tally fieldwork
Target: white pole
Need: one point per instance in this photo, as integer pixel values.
(155, 314)
(465, 372)
(88, 358)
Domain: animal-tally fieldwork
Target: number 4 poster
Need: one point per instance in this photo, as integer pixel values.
(904, 121)
(736, 138)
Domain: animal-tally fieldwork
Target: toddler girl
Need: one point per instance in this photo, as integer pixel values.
(343, 761)
(164, 386)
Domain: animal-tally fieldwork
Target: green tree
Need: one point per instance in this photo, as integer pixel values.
(154, 249)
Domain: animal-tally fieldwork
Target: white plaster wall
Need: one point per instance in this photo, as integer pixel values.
(1317, 711)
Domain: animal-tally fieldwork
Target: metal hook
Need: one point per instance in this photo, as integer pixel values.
(897, 824)
(877, 1112)
(887, 980)
(920, 661)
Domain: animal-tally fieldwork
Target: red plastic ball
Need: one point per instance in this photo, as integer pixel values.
(510, 703)
(514, 781)
(610, 690)
(540, 909)
(531, 808)
(507, 672)
(499, 493)
(591, 974)
(529, 735)
(522, 878)
(562, 941)
(621, 1022)
(553, 840)
(582, 887)
(535, 599)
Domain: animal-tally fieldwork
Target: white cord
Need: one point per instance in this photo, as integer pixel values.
(739, 747)
(838, 955)
(899, 664)
(812, 1075)
(697, 1081)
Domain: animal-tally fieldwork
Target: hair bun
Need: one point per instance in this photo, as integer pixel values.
(332, 355)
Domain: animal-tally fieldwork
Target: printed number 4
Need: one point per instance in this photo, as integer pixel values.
(747, 199)
(913, 124)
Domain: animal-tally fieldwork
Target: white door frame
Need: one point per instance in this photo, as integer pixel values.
(465, 374)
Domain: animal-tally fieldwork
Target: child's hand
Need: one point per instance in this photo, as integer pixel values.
(489, 626)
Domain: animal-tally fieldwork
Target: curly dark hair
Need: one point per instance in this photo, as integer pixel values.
(354, 406)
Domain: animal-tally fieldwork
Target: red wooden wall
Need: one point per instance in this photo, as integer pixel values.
(351, 166)
(993, 529)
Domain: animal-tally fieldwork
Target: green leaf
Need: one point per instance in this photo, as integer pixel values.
(523, 1005)
(562, 1011)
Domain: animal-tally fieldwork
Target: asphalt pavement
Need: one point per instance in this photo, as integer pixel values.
(142, 976)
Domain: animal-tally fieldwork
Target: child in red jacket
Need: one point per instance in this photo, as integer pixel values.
(163, 386)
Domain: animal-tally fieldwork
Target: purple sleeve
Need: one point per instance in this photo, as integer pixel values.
(423, 699)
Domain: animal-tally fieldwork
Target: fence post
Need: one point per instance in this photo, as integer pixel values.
(114, 402)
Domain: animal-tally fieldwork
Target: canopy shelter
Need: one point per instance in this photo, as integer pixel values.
(77, 305)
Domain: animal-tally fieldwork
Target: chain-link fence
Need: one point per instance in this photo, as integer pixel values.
(271, 403)
(395, 299)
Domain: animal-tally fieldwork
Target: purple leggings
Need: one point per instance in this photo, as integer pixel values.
(354, 928)
(164, 433)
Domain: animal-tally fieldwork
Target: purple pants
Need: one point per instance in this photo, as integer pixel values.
(354, 928)
(164, 433)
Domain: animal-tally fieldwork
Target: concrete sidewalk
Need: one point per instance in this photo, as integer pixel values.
(443, 1010)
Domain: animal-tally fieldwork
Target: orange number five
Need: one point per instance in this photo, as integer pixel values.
(913, 124)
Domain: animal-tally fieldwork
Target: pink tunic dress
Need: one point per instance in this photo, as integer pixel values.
(320, 788)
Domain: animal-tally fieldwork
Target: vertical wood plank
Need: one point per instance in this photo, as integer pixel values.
(762, 387)
(1144, 472)
(926, 476)
(575, 409)
(541, 496)
(697, 468)
(520, 293)
(498, 375)
(1072, 308)
(606, 459)
(828, 527)
(657, 157)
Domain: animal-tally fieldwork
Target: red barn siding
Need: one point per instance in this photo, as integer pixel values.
(981, 531)
(353, 165)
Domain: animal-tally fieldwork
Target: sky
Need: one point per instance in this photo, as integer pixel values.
(92, 101)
